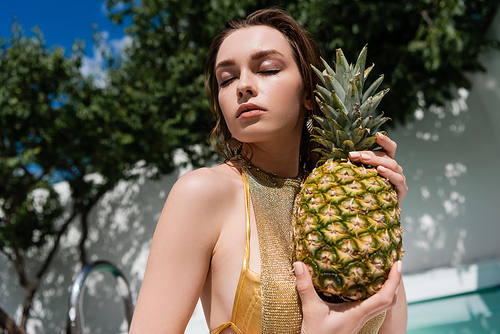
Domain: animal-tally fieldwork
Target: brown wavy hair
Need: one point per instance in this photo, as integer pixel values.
(306, 53)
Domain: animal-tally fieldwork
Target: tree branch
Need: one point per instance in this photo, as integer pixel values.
(427, 18)
(84, 220)
(32, 288)
(7, 323)
(85, 233)
(63, 229)
(7, 254)
(19, 264)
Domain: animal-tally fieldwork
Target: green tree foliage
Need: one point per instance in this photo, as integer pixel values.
(423, 47)
(33, 81)
(57, 125)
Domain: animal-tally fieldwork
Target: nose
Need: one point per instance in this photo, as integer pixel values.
(246, 85)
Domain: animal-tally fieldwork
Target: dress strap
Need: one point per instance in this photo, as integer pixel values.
(246, 190)
(244, 268)
(226, 325)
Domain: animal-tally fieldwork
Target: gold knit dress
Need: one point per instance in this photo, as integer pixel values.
(272, 199)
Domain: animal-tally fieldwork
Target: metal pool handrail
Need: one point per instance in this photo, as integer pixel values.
(75, 310)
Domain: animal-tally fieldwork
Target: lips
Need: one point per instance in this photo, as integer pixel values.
(248, 108)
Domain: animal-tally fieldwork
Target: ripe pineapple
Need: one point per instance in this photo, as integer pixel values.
(347, 228)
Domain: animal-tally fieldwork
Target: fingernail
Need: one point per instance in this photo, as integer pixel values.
(399, 266)
(382, 169)
(365, 157)
(299, 270)
(354, 155)
(380, 135)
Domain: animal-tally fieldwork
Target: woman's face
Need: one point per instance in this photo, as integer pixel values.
(261, 92)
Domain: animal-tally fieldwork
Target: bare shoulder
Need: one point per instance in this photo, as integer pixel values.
(223, 174)
(201, 198)
(208, 184)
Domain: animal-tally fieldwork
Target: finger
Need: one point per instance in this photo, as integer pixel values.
(376, 159)
(305, 287)
(386, 296)
(394, 278)
(387, 144)
(398, 180)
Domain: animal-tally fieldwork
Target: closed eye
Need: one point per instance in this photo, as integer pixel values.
(226, 82)
(269, 72)
(266, 72)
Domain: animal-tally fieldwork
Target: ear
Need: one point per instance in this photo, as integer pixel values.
(307, 101)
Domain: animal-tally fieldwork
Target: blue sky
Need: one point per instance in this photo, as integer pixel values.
(64, 21)
(61, 21)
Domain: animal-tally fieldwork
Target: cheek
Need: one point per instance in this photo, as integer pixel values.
(289, 96)
(222, 104)
(225, 107)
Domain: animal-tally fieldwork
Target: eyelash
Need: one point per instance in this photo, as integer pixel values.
(267, 72)
(226, 82)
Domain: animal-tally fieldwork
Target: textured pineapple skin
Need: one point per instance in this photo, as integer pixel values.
(347, 230)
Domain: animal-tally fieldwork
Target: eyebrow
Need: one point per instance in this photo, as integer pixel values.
(255, 56)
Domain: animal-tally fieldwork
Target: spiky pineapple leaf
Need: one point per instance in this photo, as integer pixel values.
(354, 114)
(367, 143)
(360, 65)
(337, 87)
(325, 134)
(366, 133)
(378, 98)
(372, 103)
(339, 105)
(323, 122)
(368, 70)
(348, 146)
(357, 135)
(373, 87)
(378, 121)
(325, 143)
(341, 136)
(353, 94)
(324, 94)
(366, 108)
(337, 127)
(342, 119)
(323, 77)
(324, 153)
(328, 69)
(357, 123)
(327, 109)
(342, 69)
(347, 124)
(334, 153)
(367, 122)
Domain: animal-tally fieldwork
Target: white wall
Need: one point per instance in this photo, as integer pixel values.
(450, 157)
(121, 230)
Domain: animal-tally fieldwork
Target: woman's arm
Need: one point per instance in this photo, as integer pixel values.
(396, 318)
(179, 257)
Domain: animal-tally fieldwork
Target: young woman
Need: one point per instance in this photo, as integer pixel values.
(222, 235)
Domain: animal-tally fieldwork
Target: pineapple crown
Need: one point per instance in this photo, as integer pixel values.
(348, 124)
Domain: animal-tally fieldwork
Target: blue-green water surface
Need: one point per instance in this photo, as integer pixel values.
(471, 313)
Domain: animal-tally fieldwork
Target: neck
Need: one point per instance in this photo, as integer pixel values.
(282, 160)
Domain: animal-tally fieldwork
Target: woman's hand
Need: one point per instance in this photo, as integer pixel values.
(384, 162)
(346, 318)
